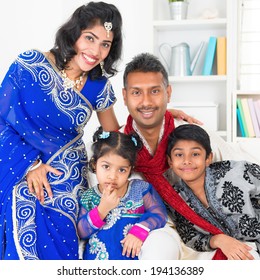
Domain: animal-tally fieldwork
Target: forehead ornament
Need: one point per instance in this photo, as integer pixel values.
(108, 26)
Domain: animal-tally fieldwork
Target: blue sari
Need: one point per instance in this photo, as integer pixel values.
(39, 118)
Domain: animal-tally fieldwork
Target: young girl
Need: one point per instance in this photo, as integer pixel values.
(226, 194)
(117, 215)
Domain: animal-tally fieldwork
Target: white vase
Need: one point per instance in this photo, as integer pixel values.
(178, 10)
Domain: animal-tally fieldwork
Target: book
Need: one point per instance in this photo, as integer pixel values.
(239, 105)
(253, 117)
(221, 55)
(248, 119)
(210, 55)
(240, 123)
(257, 110)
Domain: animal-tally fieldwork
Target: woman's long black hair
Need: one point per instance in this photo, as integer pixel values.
(84, 17)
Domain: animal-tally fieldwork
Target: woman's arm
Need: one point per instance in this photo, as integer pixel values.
(108, 120)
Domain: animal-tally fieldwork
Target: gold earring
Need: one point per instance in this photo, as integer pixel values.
(102, 68)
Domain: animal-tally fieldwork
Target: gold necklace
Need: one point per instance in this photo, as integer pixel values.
(68, 83)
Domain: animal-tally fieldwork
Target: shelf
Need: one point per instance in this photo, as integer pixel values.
(190, 24)
(247, 139)
(244, 92)
(198, 79)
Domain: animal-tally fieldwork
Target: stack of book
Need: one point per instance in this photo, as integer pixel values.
(216, 53)
(248, 116)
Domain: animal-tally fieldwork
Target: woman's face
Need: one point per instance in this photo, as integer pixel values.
(92, 47)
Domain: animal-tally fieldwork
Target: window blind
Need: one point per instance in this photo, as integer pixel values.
(249, 45)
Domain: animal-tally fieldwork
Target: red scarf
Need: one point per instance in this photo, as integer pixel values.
(153, 168)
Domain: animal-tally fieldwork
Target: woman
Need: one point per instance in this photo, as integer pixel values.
(46, 99)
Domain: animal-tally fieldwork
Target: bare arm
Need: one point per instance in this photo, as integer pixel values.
(108, 120)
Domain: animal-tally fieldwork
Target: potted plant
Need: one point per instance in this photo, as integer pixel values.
(178, 9)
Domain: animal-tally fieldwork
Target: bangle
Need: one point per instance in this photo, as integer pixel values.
(35, 166)
(139, 232)
(95, 219)
(143, 227)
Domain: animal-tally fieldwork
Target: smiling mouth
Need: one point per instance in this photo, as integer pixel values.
(187, 169)
(147, 113)
(89, 59)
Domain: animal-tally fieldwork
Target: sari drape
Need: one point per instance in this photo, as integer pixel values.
(39, 118)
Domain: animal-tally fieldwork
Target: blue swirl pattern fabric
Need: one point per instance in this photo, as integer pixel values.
(39, 118)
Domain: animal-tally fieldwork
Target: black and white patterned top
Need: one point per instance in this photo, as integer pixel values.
(233, 193)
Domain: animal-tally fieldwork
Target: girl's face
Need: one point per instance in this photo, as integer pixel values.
(92, 47)
(113, 170)
(188, 161)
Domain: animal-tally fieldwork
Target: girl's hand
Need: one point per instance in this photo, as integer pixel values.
(131, 245)
(179, 114)
(109, 200)
(231, 247)
(37, 180)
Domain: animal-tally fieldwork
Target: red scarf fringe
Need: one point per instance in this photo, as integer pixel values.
(153, 169)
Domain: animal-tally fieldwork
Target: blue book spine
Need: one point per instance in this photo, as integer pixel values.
(210, 55)
(239, 118)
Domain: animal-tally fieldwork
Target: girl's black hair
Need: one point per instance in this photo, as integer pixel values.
(189, 132)
(124, 145)
(87, 16)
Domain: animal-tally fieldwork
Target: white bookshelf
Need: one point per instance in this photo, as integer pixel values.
(198, 88)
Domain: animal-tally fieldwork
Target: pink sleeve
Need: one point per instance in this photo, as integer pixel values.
(95, 218)
(139, 232)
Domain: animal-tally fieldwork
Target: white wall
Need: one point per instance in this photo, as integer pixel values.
(26, 24)
(249, 40)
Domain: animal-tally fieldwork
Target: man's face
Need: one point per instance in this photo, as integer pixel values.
(146, 98)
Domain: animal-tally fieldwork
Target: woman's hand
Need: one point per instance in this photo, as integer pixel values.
(179, 114)
(231, 247)
(37, 180)
(131, 245)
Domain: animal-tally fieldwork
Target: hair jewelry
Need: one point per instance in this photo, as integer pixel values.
(104, 135)
(134, 140)
(108, 26)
